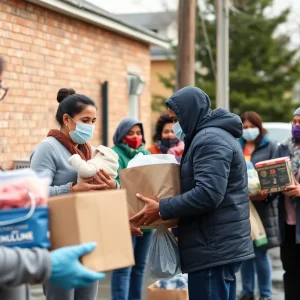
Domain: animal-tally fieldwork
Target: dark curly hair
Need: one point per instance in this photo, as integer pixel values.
(161, 122)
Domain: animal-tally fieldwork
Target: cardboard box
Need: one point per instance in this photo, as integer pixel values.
(155, 293)
(100, 217)
(153, 181)
(275, 174)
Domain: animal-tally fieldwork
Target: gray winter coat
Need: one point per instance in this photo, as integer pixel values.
(19, 267)
(267, 210)
(214, 226)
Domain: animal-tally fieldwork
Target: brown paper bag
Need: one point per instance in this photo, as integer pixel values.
(100, 217)
(155, 293)
(154, 181)
(258, 232)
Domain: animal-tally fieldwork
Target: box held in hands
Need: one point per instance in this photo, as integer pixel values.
(100, 217)
(275, 174)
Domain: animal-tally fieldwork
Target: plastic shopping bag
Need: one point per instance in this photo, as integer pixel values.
(23, 209)
(153, 159)
(253, 180)
(164, 255)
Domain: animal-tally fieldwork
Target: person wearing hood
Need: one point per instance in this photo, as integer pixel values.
(165, 140)
(214, 228)
(20, 267)
(289, 214)
(257, 147)
(127, 283)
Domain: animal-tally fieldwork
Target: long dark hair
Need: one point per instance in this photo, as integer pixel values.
(255, 119)
(161, 122)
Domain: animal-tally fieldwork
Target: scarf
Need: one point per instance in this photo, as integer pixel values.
(84, 150)
(131, 153)
(295, 155)
(177, 150)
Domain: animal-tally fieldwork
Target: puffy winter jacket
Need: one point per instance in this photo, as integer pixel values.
(214, 226)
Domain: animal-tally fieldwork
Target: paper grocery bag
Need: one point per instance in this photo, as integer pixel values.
(258, 232)
(100, 217)
(156, 181)
(155, 293)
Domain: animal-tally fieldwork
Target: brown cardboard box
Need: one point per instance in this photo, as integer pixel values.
(100, 217)
(153, 181)
(275, 174)
(155, 293)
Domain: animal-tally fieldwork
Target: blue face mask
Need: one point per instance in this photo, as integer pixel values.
(83, 133)
(178, 131)
(250, 134)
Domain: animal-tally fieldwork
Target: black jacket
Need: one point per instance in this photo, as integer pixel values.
(283, 151)
(214, 226)
(267, 210)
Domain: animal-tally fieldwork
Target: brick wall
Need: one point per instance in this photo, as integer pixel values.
(45, 51)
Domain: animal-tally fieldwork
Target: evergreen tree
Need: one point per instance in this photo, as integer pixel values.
(263, 70)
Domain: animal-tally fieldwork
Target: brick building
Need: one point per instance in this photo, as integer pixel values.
(49, 44)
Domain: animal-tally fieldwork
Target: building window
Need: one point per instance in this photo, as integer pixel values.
(136, 85)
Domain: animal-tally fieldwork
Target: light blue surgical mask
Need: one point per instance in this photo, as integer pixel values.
(83, 133)
(178, 131)
(250, 134)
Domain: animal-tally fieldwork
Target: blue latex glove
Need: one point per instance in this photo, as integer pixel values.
(67, 271)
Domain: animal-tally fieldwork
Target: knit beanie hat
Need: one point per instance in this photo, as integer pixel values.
(297, 112)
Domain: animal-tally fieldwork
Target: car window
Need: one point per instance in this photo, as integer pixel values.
(278, 134)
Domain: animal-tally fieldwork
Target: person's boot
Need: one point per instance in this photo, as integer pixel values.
(247, 297)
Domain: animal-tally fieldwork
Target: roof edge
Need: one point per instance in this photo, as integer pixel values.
(102, 20)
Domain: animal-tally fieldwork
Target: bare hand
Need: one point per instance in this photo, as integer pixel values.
(260, 196)
(85, 186)
(292, 190)
(136, 231)
(103, 177)
(148, 215)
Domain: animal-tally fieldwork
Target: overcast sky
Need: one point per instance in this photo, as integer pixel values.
(131, 6)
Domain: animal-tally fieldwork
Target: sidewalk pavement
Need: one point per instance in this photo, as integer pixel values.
(104, 286)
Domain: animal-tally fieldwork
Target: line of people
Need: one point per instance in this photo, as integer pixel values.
(214, 229)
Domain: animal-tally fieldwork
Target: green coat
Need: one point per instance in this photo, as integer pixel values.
(126, 154)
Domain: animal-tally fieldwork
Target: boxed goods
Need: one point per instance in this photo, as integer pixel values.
(275, 174)
(100, 217)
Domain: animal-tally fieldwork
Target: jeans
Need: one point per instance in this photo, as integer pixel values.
(127, 283)
(53, 292)
(289, 253)
(218, 283)
(262, 266)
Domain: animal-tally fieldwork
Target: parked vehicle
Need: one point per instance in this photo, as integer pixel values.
(278, 131)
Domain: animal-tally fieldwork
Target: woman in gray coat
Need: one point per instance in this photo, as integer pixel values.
(257, 147)
(19, 267)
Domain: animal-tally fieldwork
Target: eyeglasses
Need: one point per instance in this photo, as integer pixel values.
(3, 91)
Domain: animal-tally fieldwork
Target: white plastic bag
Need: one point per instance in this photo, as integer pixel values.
(164, 259)
(153, 159)
(253, 180)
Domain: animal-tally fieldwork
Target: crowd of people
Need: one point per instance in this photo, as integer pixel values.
(212, 147)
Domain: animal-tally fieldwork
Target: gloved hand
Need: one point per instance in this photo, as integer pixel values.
(67, 271)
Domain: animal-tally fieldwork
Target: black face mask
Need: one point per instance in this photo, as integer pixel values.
(169, 143)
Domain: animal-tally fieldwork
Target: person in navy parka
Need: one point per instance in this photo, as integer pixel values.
(214, 228)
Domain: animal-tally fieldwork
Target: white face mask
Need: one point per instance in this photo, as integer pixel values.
(178, 131)
(251, 134)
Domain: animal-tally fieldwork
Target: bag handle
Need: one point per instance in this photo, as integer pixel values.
(26, 217)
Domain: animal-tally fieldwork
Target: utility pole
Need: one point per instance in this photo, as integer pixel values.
(222, 54)
(185, 69)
